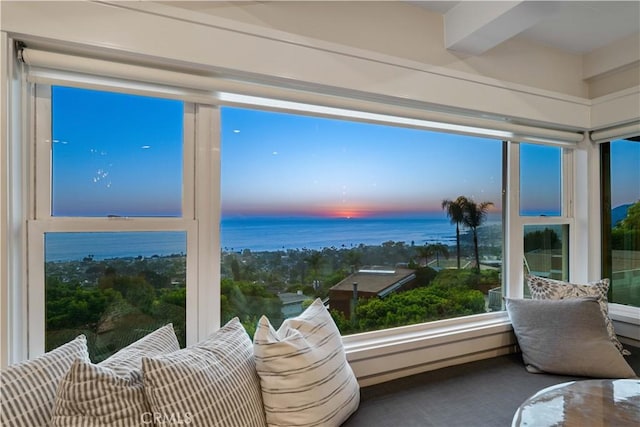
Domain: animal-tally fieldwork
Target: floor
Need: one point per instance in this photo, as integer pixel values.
(477, 394)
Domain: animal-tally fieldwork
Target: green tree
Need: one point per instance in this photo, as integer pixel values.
(354, 259)
(455, 211)
(315, 262)
(541, 239)
(632, 220)
(626, 233)
(474, 215)
(235, 269)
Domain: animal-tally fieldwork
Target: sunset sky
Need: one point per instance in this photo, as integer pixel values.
(120, 154)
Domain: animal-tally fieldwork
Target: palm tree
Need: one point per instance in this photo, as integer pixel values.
(314, 261)
(434, 249)
(474, 216)
(455, 211)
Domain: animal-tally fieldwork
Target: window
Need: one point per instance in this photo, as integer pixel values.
(544, 211)
(621, 219)
(353, 213)
(108, 240)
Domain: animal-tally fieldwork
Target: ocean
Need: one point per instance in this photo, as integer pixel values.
(317, 233)
(256, 234)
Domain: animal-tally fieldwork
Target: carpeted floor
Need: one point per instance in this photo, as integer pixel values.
(478, 394)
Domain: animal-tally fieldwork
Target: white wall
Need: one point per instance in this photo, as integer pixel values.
(410, 32)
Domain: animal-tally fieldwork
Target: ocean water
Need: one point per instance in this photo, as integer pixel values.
(317, 233)
(256, 234)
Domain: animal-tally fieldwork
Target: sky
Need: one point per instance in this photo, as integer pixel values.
(279, 163)
(116, 154)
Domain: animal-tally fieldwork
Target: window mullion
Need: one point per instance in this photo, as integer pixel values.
(41, 177)
(205, 302)
(514, 248)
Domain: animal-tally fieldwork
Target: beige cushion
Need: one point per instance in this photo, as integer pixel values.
(29, 388)
(566, 337)
(305, 377)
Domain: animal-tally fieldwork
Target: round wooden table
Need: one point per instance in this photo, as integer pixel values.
(591, 403)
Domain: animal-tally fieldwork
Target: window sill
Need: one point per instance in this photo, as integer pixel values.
(385, 355)
(626, 321)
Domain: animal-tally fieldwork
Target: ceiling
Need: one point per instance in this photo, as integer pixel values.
(573, 26)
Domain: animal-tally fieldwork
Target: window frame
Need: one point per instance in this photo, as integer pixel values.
(204, 278)
(566, 217)
(40, 220)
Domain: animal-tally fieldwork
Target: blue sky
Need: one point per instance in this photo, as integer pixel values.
(625, 172)
(277, 163)
(118, 154)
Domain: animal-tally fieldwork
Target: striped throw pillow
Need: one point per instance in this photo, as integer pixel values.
(92, 395)
(213, 383)
(305, 377)
(111, 393)
(29, 388)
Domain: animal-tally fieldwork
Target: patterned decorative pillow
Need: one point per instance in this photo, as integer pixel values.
(543, 288)
(566, 337)
(29, 388)
(213, 383)
(305, 377)
(111, 393)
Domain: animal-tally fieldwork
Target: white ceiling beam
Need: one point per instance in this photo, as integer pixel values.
(475, 27)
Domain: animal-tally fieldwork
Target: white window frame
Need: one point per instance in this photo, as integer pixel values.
(566, 216)
(40, 220)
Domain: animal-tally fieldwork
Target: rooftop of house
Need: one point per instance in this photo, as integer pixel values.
(378, 280)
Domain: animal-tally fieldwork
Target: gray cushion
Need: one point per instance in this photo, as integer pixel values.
(566, 337)
(543, 288)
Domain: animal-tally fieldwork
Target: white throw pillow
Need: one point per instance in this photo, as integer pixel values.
(304, 374)
(111, 393)
(213, 383)
(29, 388)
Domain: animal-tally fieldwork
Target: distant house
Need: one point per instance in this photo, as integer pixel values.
(371, 282)
(292, 303)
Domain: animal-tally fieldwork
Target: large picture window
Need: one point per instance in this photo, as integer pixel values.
(363, 216)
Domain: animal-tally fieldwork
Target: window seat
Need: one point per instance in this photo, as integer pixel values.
(482, 393)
